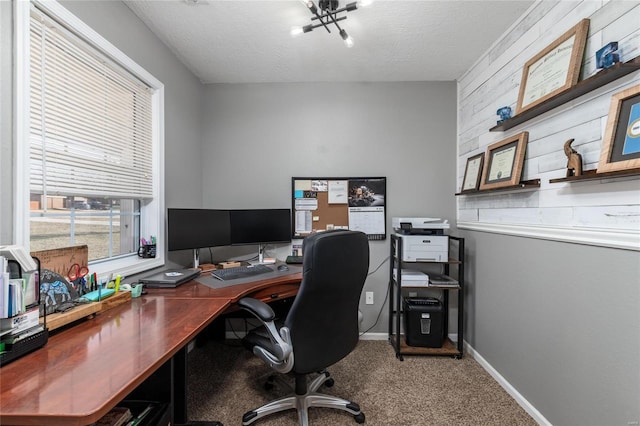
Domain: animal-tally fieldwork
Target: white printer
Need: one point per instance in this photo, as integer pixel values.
(423, 239)
(425, 248)
(419, 225)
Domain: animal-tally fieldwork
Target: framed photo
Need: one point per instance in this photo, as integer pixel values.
(553, 70)
(473, 173)
(621, 142)
(504, 162)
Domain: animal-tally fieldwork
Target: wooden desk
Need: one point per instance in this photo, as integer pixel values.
(86, 370)
(282, 286)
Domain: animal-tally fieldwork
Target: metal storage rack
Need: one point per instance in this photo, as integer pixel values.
(396, 336)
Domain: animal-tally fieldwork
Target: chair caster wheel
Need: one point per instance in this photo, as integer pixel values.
(359, 418)
(329, 382)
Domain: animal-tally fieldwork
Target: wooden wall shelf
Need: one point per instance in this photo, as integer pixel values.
(582, 87)
(594, 175)
(525, 185)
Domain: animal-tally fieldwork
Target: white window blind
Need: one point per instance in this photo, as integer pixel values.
(90, 120)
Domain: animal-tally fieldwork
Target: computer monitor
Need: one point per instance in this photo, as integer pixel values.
(193, 229)
(260, 226)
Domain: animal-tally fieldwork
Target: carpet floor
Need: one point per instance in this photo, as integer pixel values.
(225, 381)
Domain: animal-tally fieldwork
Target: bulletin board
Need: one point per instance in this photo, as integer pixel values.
(321, 204)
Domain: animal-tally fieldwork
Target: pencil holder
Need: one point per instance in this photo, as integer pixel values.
(147, 251)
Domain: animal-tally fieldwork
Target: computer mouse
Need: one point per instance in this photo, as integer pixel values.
(283, 268)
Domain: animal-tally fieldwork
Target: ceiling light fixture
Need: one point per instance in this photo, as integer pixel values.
(326, 13)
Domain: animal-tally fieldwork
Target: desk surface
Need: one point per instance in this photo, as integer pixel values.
(84, 371)
(195, 290)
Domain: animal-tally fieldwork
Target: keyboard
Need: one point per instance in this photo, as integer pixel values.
(240, 272)
(294, 260)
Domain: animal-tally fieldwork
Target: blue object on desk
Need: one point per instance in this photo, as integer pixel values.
(98, 295)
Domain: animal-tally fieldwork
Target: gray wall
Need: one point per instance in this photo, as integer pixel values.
(560, 322)
(6, 119)
(258, 136)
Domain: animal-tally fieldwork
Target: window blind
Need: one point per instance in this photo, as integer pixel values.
(90, 120)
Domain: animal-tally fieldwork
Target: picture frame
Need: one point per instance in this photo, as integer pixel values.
(621, 141)
(472, 173)
(504, 161)
(555, 69)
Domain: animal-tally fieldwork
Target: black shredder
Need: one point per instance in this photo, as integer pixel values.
(424, 321)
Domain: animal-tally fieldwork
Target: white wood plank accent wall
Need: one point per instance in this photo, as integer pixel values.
(603, 212)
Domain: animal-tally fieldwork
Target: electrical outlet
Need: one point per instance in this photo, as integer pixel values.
(369, 298)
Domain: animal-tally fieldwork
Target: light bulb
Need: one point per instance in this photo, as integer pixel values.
(296, 31)
(364, 3)
(348, 42)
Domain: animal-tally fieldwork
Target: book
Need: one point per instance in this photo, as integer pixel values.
(438, 280)
(118, 416)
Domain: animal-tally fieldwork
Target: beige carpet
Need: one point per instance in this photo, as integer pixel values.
(225, 381)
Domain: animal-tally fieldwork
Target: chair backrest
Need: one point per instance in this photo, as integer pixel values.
(323, 319)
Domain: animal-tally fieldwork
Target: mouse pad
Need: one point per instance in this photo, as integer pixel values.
(206, 279)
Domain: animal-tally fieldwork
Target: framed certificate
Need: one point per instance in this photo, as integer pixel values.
(472, 173)
(553, 70)
(621, 142)
(504, 162)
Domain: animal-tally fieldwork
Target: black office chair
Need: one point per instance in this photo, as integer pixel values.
(321, 327)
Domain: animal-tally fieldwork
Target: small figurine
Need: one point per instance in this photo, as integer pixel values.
(504, 113)
(574, 160)
(608, 55)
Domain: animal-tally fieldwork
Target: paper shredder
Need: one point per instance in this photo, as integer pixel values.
(424, 321)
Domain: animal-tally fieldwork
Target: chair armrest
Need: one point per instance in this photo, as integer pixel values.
(280, 358)
(257, 308)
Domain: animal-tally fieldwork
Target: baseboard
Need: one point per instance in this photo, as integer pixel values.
(374, 336)
(526, 405)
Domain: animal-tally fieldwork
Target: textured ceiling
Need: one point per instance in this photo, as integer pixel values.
(250, 42)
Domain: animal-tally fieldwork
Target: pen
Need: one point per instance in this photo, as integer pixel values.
(117, 287)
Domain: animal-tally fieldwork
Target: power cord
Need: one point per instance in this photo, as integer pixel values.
(386, 297)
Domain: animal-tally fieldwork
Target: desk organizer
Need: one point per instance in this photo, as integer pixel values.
(25, 346)
(30, 343)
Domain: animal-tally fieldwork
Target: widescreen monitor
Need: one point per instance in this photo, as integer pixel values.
(260, 226)
(189, 229)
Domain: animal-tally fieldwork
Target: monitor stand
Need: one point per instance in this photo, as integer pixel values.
(196, 258)
(261, 259)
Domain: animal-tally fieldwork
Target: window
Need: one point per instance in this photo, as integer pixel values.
(92, 143)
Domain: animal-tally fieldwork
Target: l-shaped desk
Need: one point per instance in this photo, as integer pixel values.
(86, 370)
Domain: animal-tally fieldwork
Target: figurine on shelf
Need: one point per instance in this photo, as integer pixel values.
(607, 56)
(574, 160)
(504, 113)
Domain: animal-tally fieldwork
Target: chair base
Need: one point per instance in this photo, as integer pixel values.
(302, 403)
